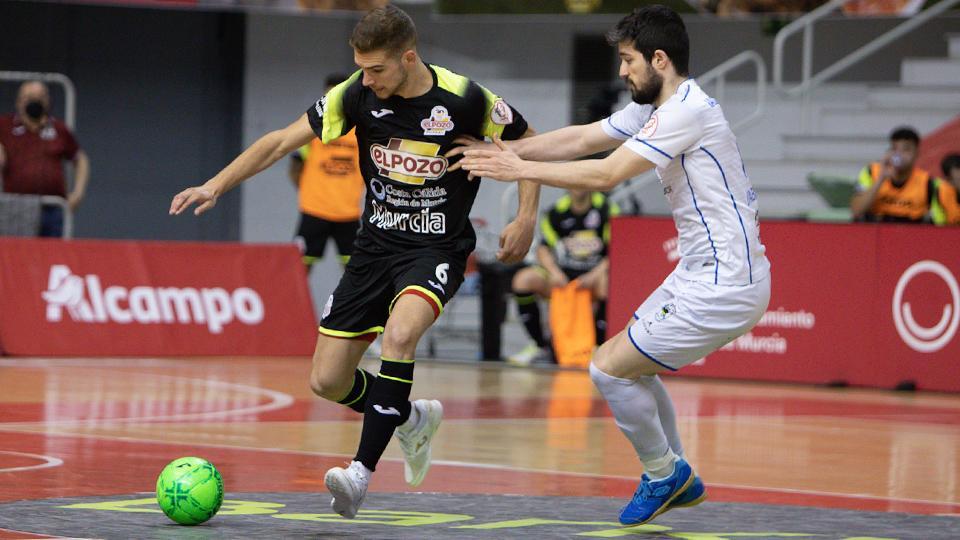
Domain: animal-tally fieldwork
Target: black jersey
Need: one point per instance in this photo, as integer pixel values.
(412, 200)
(579, 241)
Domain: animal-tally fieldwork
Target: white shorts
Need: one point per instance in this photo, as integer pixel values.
(683, 321)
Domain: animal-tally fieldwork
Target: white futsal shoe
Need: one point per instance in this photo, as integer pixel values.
(415, 440)
(348, 487)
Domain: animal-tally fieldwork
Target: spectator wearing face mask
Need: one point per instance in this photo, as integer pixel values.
(33, 147)
(895, 190)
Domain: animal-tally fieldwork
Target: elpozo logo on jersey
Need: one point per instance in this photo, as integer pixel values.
(409, 162)
(86, 300)
(439, 122)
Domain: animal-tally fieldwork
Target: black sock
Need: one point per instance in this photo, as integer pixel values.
(388, 406)
(357, 398)
(529, 310)
(600, 318)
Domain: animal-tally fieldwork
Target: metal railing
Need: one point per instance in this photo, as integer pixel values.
(69, 118)
(53, 200)
(809, 81)
(719, 73)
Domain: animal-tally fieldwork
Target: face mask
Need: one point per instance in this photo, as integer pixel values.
(35, 109)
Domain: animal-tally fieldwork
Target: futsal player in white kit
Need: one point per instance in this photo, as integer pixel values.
(721, 286)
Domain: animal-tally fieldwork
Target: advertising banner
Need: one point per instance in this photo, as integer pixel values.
(121, 298)
(870, 305)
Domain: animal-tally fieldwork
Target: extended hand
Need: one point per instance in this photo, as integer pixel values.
(466, 142)
(515, 240)
(501, 164)
(203, 197)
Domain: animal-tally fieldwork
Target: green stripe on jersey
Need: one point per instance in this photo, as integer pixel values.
(333, 117)
(489, 127)
(450, 81)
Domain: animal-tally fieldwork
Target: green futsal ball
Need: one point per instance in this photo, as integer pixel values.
(190, 490)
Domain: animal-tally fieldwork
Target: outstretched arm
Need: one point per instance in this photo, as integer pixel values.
(562, 144)
(566, 143)
(260, 155)
(590, 174)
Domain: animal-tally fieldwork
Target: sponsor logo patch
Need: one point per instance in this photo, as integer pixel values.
(320, 106)
(501, 114)
(650, 127)
(409, 162)
(439, 122)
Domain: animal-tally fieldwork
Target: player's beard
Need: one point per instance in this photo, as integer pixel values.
(649, 91)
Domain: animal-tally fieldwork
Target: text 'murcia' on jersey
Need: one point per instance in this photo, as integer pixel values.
(413, 200)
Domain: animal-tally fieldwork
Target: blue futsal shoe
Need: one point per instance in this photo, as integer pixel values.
(654, 497)
(694, 495)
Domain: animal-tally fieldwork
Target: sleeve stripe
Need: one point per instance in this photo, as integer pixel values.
(489, 127)
(618, 130)
(333, 116)
(654, 147)
(549, 235)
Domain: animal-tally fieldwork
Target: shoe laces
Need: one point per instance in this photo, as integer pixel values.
(644, 492)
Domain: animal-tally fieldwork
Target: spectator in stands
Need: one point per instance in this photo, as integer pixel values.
(574, 236)
(951, 170)
(895, 190)
(331, 193)
(950, 188)
(33, 147)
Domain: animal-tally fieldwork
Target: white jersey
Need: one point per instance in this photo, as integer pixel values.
(699, 164)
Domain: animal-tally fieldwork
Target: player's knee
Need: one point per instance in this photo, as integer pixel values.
(327, 386)
(600, 359)
(521, 281)
(399, 337)
(530, 279)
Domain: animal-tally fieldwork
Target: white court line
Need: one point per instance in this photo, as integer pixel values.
(488, 466)
(277, 400)
(48, 461)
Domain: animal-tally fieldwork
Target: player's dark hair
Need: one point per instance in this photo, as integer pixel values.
(950, 162)
(904, 133)
(334, 79)
(387, 28)
(654, 27)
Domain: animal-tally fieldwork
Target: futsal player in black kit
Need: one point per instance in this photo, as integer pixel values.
(411, 250)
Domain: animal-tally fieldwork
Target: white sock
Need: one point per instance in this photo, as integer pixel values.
(668, 417)
(634, 408)
(412, 420)
(660, 468)
(362, 469)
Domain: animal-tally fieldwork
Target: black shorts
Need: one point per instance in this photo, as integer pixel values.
(314, 233)
(371, 284)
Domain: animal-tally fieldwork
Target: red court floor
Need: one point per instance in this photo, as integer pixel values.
(74, 427)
